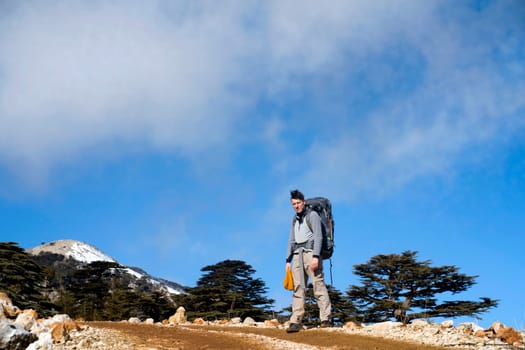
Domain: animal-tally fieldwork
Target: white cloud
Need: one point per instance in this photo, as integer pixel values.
(468, 93)
(175, 76)
(78, 74)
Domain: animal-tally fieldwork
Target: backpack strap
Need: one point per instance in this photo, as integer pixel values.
(307, 218)
(309, 224)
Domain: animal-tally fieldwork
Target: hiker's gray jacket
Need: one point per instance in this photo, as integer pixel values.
(301, 233)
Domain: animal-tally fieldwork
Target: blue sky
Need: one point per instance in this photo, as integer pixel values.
(169, 133)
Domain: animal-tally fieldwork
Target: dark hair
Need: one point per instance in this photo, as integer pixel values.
(296, 194)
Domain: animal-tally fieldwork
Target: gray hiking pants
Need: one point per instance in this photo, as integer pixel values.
(301, 272)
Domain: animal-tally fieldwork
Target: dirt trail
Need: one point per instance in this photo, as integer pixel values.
(154, 337)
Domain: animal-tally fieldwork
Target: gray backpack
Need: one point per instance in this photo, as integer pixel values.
(323, 207)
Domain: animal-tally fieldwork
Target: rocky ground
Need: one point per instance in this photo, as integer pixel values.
(23, 329)
(140, 336)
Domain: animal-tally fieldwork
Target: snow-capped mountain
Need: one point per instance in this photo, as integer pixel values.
(84, 253)
(79, 251)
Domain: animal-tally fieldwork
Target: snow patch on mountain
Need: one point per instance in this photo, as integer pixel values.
(77, 250)
(169, 286)
(133, 272)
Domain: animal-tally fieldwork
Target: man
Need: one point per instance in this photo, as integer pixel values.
(304, 249)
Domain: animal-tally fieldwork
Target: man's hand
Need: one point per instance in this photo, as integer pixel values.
(288, 266)
(314, 264)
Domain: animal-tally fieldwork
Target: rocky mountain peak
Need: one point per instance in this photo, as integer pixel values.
(77, 250)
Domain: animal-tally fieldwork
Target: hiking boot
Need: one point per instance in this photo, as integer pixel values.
(326, 324)
(293, 328)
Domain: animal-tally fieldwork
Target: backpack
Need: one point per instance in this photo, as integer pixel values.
(323, 207)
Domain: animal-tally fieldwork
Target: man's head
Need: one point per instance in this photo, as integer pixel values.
(297, 199)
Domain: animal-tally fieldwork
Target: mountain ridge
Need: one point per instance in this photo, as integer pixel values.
(85, 253)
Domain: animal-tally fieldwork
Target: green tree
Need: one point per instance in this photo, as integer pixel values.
(118, 301)
(399, 287)
(103, 290)
(90, 286)
(227, 289)
(23, 279)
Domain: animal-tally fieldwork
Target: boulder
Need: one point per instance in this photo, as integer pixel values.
(248, 321)
(447, 324)
(199, 321)
(179, 317)
(65, 322)
(352, 325)
(272, 323)
(509, 335)
(61, 318)
(26, 320)
(14, 336)
(496, 326)
(31, 312)
(44, 342)
(58, 332)
(4, 299)
(8, 310)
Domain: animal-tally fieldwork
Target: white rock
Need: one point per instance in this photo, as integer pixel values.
(44, 342)
(14, 336)
(26, 321)
(496, 326)
(447, 324)
(249, 321)
(61, 318)
(419, 323)
(384, 326)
